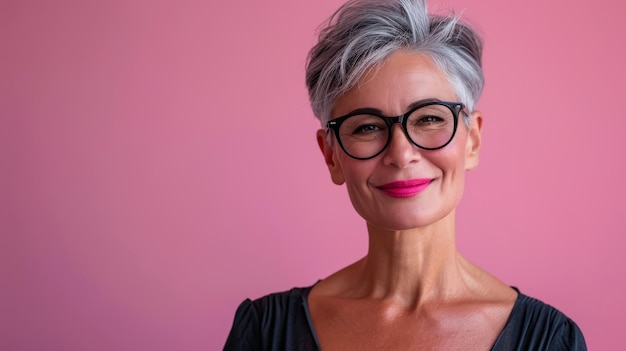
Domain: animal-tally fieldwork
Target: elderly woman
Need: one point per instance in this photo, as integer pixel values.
(395, 90)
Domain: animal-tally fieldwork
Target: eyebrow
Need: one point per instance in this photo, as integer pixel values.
(379, 112)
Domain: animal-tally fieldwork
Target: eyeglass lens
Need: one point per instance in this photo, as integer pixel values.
(365, 135)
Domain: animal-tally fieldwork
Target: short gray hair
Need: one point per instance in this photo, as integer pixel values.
(362, 33)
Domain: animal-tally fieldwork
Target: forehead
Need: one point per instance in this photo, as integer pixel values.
(400, 80)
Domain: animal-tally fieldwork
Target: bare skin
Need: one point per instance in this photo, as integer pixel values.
(413, 290)
(396, 300)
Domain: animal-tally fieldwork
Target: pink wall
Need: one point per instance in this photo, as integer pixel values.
(158, 165)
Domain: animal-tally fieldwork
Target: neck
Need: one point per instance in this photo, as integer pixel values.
(414, 265)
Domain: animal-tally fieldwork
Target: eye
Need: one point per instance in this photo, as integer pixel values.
(429, 119)
(366, 129)
(363, 126)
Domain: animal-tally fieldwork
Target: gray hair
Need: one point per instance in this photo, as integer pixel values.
(362, 33)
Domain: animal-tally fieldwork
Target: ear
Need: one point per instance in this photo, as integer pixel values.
(472, 147)
(336, 173)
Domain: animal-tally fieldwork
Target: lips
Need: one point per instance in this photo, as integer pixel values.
(405, 188)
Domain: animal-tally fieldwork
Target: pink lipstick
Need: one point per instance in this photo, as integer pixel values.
(405, 188)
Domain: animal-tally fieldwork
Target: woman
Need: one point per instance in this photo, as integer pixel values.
(395, 91)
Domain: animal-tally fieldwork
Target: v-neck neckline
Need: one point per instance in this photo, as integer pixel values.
(305, 305)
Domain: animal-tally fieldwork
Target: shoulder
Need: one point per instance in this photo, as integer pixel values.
(272, 322)
(282, 302)
(535, 325)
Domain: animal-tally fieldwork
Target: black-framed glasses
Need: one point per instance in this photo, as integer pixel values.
(364, 134)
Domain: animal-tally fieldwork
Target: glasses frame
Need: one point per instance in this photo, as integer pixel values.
(454, 107)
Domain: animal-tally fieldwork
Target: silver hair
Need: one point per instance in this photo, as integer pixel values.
(362, 33)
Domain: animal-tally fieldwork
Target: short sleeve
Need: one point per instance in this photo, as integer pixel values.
(275, 322)
(245, 333)
(568, 337)
(534, 325)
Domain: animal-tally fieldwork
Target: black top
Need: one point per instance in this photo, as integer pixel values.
(281, 321)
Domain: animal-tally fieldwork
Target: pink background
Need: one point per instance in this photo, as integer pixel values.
(158, 165)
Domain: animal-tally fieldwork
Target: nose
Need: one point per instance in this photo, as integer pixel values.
(400, 152)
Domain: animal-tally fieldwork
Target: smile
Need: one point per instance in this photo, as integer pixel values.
(405, 188)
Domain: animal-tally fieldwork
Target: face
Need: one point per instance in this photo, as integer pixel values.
(404, 187)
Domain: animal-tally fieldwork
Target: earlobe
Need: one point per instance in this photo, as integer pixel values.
(472, 149)
(336, 173)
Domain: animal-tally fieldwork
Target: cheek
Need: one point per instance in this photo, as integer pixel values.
(451, 162)
(356, 174)
(451, 159)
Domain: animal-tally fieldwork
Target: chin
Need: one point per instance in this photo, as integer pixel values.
(399, 221)
(399, 226)
(402, 224)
